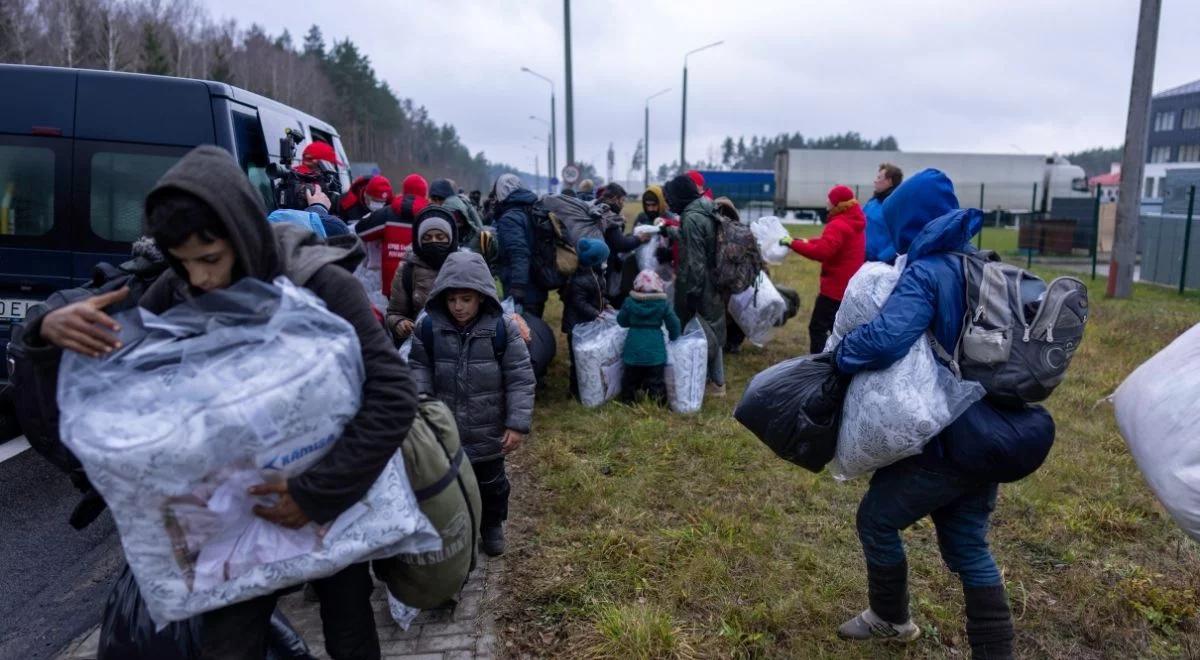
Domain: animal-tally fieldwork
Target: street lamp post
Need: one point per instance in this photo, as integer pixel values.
(549, 172)
(646, 138)
(683, 122)
(552, 160)
(549, 153)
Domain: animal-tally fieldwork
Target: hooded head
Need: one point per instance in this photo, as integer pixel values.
(441, 189)
(415, 185)
(654, 197)
(698, 179)
(464, 270)
(680, 192)
(727, 208)
(506, 185)
(925, 207)
(592, 252)
(430, 221)
(205, 203)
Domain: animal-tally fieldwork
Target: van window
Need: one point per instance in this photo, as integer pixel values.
(26, 191)
(120, 183)
(252, 152)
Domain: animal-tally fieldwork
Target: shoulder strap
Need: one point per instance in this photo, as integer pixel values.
(406, 280)
(426, 334)
(500, 339)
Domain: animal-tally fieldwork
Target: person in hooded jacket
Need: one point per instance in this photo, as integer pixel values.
(455, 358)
(839, 248)
(926, 224)
(583, 296)
(696, 292)
(698, 179)
(514, 230)
(388, 232)
(646, 312)
(879, 240)
(654, 206)
(436, 239)
(212, 226)
(622, 263)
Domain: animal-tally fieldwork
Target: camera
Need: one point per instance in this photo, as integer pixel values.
(289, 186)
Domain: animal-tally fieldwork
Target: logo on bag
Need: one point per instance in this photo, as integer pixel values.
(283, 460)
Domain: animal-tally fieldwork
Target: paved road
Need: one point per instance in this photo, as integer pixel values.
(53, 579)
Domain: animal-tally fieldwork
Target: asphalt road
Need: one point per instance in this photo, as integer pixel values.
(53, 579)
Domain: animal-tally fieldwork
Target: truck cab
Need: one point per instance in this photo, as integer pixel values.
(80, 149)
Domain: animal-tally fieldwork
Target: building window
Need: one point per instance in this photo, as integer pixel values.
(1189, 153)
(1148, 190)
(1164, 121)
(1191, 118)
(1160, 154)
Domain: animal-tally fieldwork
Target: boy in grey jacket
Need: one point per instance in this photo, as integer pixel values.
(468, 354)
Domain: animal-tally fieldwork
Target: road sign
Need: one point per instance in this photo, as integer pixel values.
(554, 181)
(570, 174)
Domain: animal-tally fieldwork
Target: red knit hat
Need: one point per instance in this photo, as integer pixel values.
(321, 151)
(416, 185)
(697, 178)
(379, 188)
(839, 194)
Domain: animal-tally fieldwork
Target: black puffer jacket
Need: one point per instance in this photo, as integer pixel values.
(583, 298)
(487, 395)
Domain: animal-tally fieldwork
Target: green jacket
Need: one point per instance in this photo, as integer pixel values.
(697, 259)
(644, 315)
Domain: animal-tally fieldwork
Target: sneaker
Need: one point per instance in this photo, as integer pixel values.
(493, 540)
(868, 625)
(714, 391)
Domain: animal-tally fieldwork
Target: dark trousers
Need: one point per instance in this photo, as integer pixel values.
(821, 324)
(636, 379)
(572, 374)
(493, 491)
(239, 631)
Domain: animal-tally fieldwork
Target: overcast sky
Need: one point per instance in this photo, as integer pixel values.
(1033, 76)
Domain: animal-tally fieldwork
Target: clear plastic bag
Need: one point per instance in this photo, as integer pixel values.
(1157, 407)
(892, 413)
(768, 230)
(686, 372)
(758, 310)
(598, 347)
(249, 384)
(369, 273)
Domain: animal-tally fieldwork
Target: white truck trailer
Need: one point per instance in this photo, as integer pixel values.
(1016, 183)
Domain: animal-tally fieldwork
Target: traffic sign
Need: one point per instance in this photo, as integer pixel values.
(570, 174)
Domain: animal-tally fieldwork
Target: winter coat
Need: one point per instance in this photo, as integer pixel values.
(515, 233)
(487, 395)
(264, 251)
(695, 290)
(839, 248)
(403, 304)
(583, 298)
(644, 314)
(879, 240)
(468, 231)
(663, 211)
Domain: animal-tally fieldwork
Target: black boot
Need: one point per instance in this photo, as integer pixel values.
(887, 591)
(493, 540)
(989, 623)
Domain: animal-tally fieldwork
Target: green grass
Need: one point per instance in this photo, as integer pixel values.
(644, 534)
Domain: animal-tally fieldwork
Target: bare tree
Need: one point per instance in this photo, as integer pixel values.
(18, 21)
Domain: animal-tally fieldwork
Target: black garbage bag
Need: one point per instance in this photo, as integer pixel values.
(543, 344)
(795, 408)
(128, 632)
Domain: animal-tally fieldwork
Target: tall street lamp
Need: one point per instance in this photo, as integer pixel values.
(552, 161)
(537, 169)
(549, 173)
(683, 123)
(646, 138)
(549, 152)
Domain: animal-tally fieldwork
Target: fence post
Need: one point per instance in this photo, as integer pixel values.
(1095, 230)
(979, 239)
(1187, 238)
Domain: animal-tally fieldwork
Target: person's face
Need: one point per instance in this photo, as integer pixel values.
(650, 206)
(373, 203)
(463, 305)
(434, 236)
(615, 203)
(209, 266)
(882, 182)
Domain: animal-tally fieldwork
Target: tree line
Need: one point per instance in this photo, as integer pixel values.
(335, 82)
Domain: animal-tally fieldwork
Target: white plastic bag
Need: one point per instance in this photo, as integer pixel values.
(758, 309)
(369, 273)
(686, 372)
(891, 414)
(768, 230)
(1157, 409)
(406, 346)
(598, 346)
(246, 385)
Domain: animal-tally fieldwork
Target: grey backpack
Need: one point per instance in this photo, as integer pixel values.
(1019, 334)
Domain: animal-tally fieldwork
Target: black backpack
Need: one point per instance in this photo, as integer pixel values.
(552, 253)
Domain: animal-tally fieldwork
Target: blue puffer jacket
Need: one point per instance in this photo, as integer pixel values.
(879, 239)
(516, 241)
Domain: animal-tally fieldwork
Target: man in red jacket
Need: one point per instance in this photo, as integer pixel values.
(841, 249)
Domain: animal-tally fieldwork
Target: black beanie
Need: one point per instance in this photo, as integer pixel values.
(441, 189)
(680, 192)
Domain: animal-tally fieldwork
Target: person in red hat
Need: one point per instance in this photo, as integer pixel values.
(366, 195)
(314, 153)
(841, 249)
(698, 179)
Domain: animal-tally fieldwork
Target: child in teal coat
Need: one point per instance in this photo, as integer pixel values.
(645, 354)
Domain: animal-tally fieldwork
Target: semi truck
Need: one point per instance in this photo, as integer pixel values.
(1011, 182)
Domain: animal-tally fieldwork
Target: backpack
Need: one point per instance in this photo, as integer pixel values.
(499, 339)
(738, 260)
(1018, 334)
(551, 251)
(446, 490)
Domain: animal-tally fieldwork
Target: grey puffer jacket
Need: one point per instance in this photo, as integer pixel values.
(487, 395)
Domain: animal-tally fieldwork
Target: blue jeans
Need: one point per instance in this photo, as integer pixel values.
(905, 492)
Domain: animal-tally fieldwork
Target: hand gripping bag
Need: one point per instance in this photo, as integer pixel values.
(892, 413)
(686, 372)
(598, 346)
(246, 385)
(794, 408)
(768, 230)
(758, 310)
(1158, 408)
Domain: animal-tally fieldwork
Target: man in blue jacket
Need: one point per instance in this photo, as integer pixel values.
(925, 222)
(514, 230)
(879, 237)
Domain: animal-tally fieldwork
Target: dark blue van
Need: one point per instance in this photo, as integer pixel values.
(80, 149)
